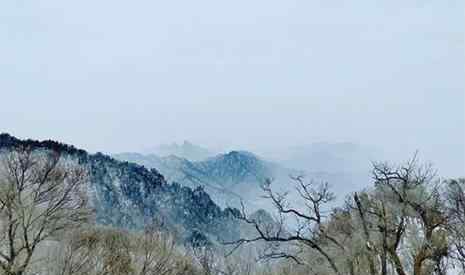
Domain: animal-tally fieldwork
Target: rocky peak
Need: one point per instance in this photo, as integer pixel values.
(236, 167)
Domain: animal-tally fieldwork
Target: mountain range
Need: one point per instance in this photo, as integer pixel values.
(224, 176)
(194, 198)
(236, 176)
(128, 195)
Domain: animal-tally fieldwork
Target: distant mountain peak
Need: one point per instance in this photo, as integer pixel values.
(242, 153)
(222, 175)
(186, 150)
(236, 156)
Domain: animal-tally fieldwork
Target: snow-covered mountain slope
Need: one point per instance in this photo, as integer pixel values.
(237, 176)
(131, 196)
(223, 176)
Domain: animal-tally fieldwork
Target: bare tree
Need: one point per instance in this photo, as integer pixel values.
(109, 251)
(401, 226)
(94, 251)
(155, 253)
(311, 231)
(410, 214)
(455, 196)
(72, 255)
(40, 198)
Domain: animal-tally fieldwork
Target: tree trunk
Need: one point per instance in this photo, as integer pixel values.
(397, 263)
(369, 255)
(417, 267)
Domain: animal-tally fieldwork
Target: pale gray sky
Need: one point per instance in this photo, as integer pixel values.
(114, 75)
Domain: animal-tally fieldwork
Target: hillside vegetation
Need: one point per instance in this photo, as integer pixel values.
(64, 211)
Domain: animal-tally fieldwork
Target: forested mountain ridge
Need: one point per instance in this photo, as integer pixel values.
(231, 177)
(224, 176)
(129, 195)
(408, 210)
(225, 169)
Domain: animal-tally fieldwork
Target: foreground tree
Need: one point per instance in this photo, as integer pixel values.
(109, 251)
(400, 226)
(310, 232)
(404, 220)
(41, 197)
(455, 198)
(413, 216)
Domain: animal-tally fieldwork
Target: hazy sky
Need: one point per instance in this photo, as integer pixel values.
(124, 75)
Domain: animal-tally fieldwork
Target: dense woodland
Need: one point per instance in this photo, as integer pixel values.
(408, 221)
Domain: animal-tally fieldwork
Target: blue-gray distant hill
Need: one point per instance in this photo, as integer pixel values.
(238, 175)
(350, 161)
(225, 177)
(234, 177)
(185, 150)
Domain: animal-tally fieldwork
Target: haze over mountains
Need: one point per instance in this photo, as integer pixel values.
(237, 176)
(222, 176)
(289, 128)
(188, 195)
(185, 150)
(197, 202)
